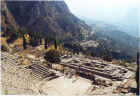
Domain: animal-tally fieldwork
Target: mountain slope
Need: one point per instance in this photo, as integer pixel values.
(112, 48)
(48, 18)
(114, 32)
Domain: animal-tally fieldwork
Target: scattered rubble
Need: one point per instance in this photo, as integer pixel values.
(85, 65)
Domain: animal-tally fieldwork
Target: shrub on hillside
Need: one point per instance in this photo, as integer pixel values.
(52, 56)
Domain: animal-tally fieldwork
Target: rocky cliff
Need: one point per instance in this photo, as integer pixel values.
(47, 17)
(7, 19)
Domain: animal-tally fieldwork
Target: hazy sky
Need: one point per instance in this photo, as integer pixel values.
(102, 9)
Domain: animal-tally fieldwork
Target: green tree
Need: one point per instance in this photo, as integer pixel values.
(52, 56)
(22, 32)
(24, 43)
(46, 42)
(55, 43)
(35, 38)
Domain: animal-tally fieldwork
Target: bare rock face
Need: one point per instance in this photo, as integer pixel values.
(47, 17)
(7, 20)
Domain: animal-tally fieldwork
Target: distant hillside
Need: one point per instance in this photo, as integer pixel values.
(118, 43)
(130, 22)
(113, 32)
(112, 48)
